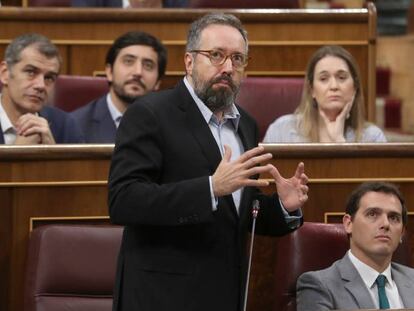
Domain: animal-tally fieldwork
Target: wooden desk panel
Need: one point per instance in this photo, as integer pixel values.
(68, 183)
(45, 185)
(281, 41)
(335, 170)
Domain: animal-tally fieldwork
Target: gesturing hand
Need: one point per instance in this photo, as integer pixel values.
(231, 176)
(293, 192)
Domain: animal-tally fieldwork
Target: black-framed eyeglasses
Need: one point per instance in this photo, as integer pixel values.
(218, 58)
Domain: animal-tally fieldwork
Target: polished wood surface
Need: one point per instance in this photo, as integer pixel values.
(68, 184)
(40, 185)
(335, 169)
(281, 41)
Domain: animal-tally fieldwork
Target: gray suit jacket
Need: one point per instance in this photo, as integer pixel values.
(341, 287)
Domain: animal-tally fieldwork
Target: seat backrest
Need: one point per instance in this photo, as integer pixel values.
(49, 3)
(314, 246)
(73, 92)
(269, 98)
(71, 267)
(280, 4)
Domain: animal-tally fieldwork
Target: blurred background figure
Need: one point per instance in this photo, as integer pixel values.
(135, 64)
(28, 73)
(332, 105)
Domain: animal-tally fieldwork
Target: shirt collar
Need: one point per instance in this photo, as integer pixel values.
(232, 114)
(5, 122)
(115, 113)
(368, 274)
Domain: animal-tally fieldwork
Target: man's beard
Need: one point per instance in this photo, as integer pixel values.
(124, 96)
(219, 99)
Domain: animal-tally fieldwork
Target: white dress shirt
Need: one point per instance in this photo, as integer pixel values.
(369, 275)
(7, 129)
(116, 115)
(225, 133)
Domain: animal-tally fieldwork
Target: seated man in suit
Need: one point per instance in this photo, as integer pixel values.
(365, 278)
(135, 64)
(28, 74)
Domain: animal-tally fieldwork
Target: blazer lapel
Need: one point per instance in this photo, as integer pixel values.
(198, 126)
(405, 286)
(245, 134)
(1, 137)
(249, 141)
(104, 125)
(354, 284)
(202, 133)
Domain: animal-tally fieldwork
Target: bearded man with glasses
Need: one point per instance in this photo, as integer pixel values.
(182, 182)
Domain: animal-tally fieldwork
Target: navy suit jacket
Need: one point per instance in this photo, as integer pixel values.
(96, 122)
(62, 125)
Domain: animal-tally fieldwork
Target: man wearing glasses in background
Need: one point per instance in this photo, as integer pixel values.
(182, 183)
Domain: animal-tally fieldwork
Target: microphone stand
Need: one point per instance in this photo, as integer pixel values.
(255, 211)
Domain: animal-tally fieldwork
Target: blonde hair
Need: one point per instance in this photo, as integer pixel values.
(307, 111)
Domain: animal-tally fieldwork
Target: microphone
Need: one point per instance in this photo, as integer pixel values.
(255, 211)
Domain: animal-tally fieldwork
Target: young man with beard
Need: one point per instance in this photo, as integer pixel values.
(28, 73)
(365, 278)
(135, 64)
(182, 183)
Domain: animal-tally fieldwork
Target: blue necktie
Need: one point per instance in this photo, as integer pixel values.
(382, 296)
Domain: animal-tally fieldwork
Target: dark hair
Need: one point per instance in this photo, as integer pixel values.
(352, 205)
(196, 28)
(138, 38)
(43, 45)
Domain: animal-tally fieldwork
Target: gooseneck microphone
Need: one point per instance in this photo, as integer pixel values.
(255, 211)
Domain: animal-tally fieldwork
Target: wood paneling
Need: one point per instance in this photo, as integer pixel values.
(42, 185)
(281, 41)
(68, 183)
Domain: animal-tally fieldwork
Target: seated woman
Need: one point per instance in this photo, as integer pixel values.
(332, 105)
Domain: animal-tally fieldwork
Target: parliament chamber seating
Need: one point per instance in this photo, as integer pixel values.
(74, 91)
(71, 267)
(49, 3)
(314, 246)
(244, 4)
(269, 98)
(281, 4)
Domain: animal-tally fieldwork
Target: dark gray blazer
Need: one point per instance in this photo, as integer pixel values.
(341, 287)
(95, 122)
